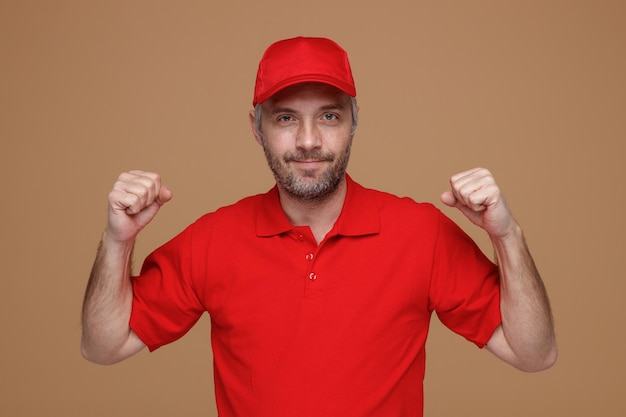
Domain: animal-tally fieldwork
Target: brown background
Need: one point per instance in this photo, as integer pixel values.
(533, 90)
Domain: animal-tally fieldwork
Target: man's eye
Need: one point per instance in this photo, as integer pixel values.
(284, 118)
(330, 116)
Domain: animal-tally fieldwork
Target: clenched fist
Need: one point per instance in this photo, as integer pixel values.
(135, 199)
(476, 194)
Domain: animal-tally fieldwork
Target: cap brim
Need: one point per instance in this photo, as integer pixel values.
(305, 78)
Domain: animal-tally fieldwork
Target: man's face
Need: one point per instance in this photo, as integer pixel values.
(306, 133)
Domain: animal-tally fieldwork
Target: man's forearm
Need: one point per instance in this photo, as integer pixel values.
(107, 304)
(526, 315)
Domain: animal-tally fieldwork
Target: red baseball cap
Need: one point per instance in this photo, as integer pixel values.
(299, 60)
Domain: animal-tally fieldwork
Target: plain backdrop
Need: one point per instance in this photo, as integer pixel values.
(533, 90)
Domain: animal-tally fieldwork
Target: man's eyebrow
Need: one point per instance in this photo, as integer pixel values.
(336, 106)
(277, 110)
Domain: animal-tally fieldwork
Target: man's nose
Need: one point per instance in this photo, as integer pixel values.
(308, 136)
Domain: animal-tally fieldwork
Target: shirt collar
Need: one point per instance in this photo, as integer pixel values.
(359, 215)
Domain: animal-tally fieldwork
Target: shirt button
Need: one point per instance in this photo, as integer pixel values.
(301, 237)
(312, 276)
(309, 257)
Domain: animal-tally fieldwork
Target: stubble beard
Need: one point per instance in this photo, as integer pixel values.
(306, 187)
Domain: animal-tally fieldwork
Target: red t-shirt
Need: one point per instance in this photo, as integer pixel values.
(335, 329)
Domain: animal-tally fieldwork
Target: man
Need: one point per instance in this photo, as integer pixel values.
(320, 291)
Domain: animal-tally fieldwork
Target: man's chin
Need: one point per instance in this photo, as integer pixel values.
(310, 188)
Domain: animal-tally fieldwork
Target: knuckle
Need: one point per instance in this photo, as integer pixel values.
(135, 199)
(125, 176)
(141, 194)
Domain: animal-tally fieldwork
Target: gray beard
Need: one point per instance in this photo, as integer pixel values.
(300, 188)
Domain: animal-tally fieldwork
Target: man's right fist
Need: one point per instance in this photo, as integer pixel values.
(135, 199)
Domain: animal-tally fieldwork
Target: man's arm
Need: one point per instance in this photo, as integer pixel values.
(107, 337)
(525, 339)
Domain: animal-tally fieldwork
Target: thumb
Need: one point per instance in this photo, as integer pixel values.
(165, 195)
(448, 198)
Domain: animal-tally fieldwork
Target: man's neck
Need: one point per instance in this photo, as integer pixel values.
(320, 214)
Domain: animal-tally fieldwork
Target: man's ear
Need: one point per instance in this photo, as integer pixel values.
(255, 132)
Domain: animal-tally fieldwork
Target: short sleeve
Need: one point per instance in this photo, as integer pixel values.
(165, 305)
(464, 290)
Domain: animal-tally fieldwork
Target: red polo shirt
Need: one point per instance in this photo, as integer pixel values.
(335, 329)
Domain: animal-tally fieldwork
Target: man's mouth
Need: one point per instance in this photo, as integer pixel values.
(304, 159)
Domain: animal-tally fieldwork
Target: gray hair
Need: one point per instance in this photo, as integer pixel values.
(258, 111)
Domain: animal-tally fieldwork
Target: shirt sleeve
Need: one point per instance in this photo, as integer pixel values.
(165, 305)
(464, 291)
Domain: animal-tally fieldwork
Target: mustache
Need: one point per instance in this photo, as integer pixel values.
(314, 155)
